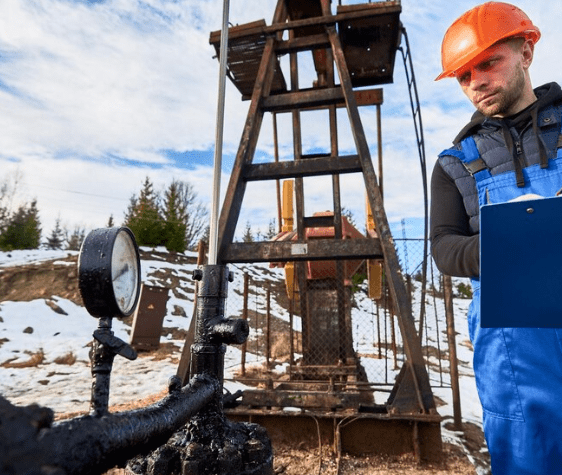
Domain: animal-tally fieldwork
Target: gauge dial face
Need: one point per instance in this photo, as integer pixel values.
(109, 272)
(124, 272)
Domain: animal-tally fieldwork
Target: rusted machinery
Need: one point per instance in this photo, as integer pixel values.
(359, 42)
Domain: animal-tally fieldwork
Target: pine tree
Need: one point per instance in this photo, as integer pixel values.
(56, 239)
(248, 236)
(175, 218)
(133, 201)
(74, 241)
(144, 218)
(23, 230)
(110, 222)
(271, 230)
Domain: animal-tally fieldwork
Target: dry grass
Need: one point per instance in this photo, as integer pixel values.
(68, 359)
(35, 360)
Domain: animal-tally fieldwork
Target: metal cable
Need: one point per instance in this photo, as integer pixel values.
(416, 113)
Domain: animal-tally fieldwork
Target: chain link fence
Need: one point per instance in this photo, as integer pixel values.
(335, 322)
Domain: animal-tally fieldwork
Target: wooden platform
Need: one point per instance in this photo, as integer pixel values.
(245, 50)
(369, 44)
(370, 34)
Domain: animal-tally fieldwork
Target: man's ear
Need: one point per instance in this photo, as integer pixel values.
(527, 51)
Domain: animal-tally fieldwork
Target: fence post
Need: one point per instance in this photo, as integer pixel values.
(245, 317)
(451, 340)
(268, 327)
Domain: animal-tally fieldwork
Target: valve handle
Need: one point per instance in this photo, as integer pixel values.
(115, 344)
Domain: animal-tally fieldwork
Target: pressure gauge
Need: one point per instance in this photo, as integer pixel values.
(109, 272)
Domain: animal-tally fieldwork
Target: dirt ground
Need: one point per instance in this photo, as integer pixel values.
(299, 462)
(296, 461)
(289, 461)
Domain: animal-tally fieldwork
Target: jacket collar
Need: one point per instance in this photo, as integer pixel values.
(547, 95)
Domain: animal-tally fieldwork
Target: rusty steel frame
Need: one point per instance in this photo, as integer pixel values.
(413, 379)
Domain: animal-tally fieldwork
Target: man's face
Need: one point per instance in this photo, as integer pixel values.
(496, 82)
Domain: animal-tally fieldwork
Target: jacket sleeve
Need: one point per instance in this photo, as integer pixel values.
(455, 249)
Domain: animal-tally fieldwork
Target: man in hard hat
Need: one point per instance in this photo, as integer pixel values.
(510, 148)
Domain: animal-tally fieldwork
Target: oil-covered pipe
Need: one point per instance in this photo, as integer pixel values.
(90, 445)
(212, 329)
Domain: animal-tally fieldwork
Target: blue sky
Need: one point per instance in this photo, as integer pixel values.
(96, 95)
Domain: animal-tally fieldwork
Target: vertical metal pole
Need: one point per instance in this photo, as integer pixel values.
(393, 335)
(379, 147)
(277, 182)
(291, 335)
(245, 317)
(101, 364)
(453, 363)
(213, 233)
(268, 327)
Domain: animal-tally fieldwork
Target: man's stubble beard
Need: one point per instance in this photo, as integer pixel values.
(506, 96)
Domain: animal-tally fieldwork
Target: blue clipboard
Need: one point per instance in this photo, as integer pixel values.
(521, 264)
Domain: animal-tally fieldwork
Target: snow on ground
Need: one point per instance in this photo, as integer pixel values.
(34, 330)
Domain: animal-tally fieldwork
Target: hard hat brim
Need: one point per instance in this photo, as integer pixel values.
(534, 35)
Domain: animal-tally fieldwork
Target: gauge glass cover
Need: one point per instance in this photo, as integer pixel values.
(124, 272)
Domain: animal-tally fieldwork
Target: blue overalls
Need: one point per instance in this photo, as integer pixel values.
(518, 370)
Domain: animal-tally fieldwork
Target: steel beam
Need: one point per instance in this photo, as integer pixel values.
(315, 249)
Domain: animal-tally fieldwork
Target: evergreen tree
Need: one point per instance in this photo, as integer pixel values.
(133, 201)
(4, 210)
(74, 241)
(248, 236)
(110, 222)
(56, 239)
(271, 230)
(144, 218)
(23, 230)
(175, 218)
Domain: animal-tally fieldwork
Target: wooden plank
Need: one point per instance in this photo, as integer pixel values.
(311, 250)
(382, 8)
(315, 98)
(239, 31)
(310, 399)
(302, 168)
(376, 6)
(306, 43)
(259, 26)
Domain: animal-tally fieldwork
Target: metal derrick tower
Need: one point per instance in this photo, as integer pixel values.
(359, 43)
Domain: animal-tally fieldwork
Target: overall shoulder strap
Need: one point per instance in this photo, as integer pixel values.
(559, 143)
(470, 157)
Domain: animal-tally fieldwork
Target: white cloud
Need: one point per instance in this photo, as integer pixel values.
(89, 81)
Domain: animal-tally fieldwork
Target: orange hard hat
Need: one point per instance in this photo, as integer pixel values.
(478, 29)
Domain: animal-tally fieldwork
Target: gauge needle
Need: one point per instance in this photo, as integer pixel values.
(125, 269)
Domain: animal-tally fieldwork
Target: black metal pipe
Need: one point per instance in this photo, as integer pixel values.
(90, 445)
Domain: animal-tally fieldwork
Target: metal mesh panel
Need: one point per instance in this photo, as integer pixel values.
(333, 332)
